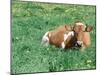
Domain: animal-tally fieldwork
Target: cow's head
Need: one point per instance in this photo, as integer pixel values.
(80, 28)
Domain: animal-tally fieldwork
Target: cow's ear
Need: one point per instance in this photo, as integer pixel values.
(88, 28)
(72, 27)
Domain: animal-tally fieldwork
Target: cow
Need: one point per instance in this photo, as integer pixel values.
(67, 36)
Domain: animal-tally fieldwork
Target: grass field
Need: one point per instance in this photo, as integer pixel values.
(29, 23)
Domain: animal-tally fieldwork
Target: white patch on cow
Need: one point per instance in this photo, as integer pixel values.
(85, 26)
(45, 39)
(78, 24)
(67, 35)
(49, 34)
(71, 33)
(63, 45)
(46, 33)
(81, 24)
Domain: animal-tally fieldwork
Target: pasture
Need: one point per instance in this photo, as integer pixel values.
(31, 20)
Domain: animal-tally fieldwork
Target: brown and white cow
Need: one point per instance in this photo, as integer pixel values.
(69, 36)
(58, 37)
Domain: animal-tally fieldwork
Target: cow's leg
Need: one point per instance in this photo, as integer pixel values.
(63, 45)
(45, 40)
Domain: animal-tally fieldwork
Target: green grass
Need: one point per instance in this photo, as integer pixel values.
(31, 20)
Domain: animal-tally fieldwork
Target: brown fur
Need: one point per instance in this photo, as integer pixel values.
(56, 37)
